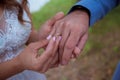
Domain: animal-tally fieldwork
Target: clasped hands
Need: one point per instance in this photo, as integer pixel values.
(62, 37)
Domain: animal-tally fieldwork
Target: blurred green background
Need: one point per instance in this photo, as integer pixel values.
(101, 53)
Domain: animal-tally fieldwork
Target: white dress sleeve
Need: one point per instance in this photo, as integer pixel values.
(13, 37)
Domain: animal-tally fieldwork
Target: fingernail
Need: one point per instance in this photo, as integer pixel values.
(60, 37)
(48, 38)
(54, 38)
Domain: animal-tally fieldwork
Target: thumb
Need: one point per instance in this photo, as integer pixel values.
(58, 16)
(40, 44)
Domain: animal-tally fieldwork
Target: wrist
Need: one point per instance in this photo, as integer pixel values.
(18, 64)
(81, 13)
(80, 9)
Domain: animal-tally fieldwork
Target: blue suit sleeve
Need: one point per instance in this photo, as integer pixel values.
(116, 75)
(97, 8)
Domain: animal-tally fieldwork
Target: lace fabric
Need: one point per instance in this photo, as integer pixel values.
(13, 35)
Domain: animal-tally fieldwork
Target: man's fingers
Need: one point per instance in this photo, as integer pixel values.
(59, 28)
(53, 20)
(65, 36)
(58, 16)
(69, 47)
(78, 49)
(56, 30)
(48, 27)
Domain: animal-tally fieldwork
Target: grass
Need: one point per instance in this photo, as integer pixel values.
(50, 9)
(100, 48)
(109, 23)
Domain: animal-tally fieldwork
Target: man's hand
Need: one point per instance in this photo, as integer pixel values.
(74, 31)
(47, 27)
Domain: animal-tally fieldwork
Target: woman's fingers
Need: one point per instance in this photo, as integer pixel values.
(38, 45)
(44, 57)
(48, 63)
(48, 53)
(55, 61)
(54, 52)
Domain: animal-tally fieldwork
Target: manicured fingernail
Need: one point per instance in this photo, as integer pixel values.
(48, 38)
(54, 38)
(60, 37)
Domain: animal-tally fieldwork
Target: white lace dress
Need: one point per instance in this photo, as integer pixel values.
(13, 37)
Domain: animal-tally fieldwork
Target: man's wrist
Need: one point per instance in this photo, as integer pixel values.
(78, 9)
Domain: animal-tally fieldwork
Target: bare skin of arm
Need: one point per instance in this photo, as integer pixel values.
(9, 68)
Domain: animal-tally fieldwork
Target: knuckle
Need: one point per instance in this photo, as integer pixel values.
(77, 28)
(67, 23)
(50, 55)
(69, 46)
(31, 45)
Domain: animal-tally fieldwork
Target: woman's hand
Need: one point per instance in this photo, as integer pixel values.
(45, 29)
(29, 58)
